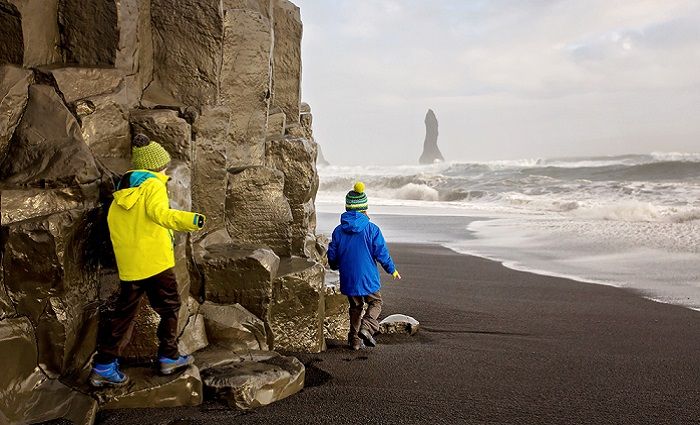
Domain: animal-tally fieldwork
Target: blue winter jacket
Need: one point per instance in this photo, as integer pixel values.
(355, 248)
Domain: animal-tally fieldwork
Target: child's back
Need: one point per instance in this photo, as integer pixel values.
(355, 248)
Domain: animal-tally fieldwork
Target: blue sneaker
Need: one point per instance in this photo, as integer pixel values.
(107, 375)
(168, 366)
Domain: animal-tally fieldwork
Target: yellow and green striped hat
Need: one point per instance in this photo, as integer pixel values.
(356, 199)
(147, 154)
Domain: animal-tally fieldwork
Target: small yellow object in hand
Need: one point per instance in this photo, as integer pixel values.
(396, 275)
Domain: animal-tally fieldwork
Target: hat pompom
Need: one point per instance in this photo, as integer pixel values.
(140, 140)
(359, 187)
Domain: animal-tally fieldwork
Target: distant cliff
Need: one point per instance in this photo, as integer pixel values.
(431, 152)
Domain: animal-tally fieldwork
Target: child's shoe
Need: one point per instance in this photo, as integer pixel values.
(367, 337)
(356, 344)
(168, 366)
(107, 375)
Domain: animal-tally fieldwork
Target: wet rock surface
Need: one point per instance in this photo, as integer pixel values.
(431, 152)
(297, 308)
(257, 210)
(246, 84)
(295, 157)
(39, 31)
(167, 128)
(14, 82)
(233, 327)
(26, 204)
(194, 335)
(104, 123)
(399, 324)
(188, 46)
(27, 395)
(287, 59)
(232, 274)
(48, 148)
(60, 240)
(77, 83)
(147, 388)
(209, 175)
(336, 324)
(217, 83)
(247, 382)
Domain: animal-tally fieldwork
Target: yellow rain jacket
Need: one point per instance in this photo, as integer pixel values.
(141, 225)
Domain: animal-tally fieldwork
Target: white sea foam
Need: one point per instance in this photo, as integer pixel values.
(630, 220)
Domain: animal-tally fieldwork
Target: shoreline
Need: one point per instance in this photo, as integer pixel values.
(495, 346)
(672, 282)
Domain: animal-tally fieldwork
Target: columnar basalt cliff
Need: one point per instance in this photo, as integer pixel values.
(217, 83)
(431, 152)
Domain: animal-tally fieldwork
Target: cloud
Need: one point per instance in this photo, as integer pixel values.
(546, 68)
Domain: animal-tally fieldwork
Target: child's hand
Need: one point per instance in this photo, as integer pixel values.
(396, 275)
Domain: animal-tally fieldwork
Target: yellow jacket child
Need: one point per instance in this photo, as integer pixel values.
(141, 225)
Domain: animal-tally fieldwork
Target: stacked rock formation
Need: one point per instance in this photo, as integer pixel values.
(217, 82)
(431, 152)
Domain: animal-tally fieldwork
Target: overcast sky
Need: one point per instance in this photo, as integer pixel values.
(507, 79)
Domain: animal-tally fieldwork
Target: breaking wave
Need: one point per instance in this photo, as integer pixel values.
(655, 187)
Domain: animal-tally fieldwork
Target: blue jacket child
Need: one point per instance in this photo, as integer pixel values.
(355, 248)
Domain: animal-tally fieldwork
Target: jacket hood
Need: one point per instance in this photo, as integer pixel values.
(353, 221)
(129, 187)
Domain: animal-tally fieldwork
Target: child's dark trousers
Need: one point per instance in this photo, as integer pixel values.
(162, 294)
(369, 320)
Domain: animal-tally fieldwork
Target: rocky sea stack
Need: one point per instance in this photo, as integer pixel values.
(217, 83)
(431, 152)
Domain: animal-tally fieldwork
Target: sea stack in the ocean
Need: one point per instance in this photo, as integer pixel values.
(431, 152)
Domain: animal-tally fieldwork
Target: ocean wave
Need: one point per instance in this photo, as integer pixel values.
(656, 171)
(626, 188)
(685, 216)
(417, 192)
(621, 211)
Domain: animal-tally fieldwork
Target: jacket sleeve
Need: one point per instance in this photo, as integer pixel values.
(158, 209)
(333, 252)
(380, 252)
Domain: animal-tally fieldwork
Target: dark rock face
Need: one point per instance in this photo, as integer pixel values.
(233, 327)
(252, 380)
(286, 63)
(165, 127)
(297, 308)
(431, 152)
(12, 49)
(232, 274)
(27, 395)
(49, 148)
(209, 179)
(91, 31)
(187, 43)
(217, 83)
(296, 158)
(257, 210)
(336, 324)
(14, 82)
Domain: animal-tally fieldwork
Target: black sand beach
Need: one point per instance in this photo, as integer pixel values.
(496, 346)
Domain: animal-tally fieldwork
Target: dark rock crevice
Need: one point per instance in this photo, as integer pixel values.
(12, 46)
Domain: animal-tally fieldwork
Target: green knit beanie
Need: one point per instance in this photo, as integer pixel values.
(356, 199)
(147, 154)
